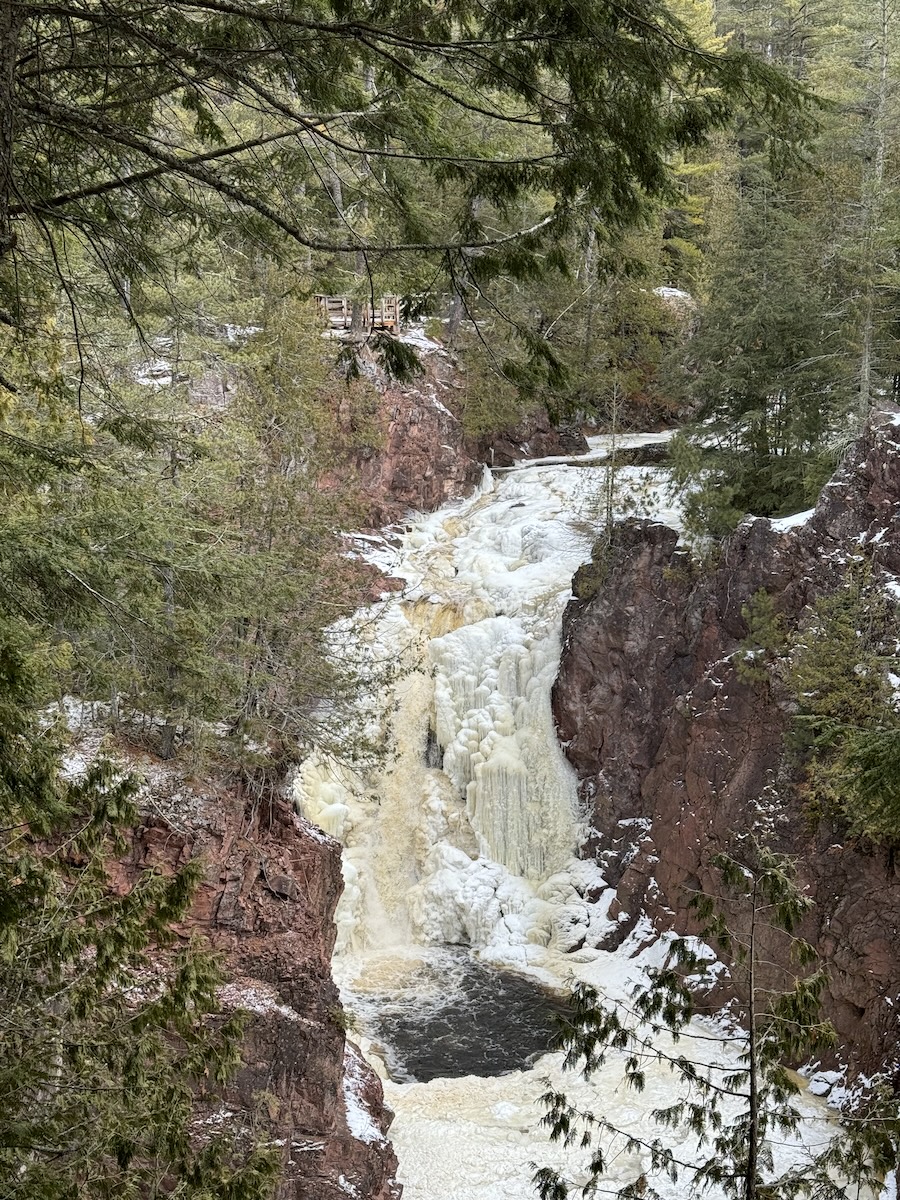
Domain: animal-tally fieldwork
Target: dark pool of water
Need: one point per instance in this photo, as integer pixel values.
(485, 1022)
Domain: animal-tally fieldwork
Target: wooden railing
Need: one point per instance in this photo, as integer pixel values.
(337, 311)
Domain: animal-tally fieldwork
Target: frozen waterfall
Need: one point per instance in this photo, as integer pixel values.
(466, 833)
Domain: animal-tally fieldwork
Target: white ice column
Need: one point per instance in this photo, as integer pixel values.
(494, 724)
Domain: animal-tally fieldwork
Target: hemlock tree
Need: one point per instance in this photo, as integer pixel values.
(439, 121)
(733, 1113)
(102, 1046)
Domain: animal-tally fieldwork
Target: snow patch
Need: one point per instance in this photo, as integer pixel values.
(359, 1119)
(821, 1083)
(416, 336)
(674, 294)
(256, 997)
(782, 524)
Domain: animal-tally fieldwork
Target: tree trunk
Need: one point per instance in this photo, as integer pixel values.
(609, 478)
(590, 255)
(457, 300)
(11, 19)
(752, 1168)
(170, 727)
(335, 185)
(455, 317)
(873, 204)
(361, 319)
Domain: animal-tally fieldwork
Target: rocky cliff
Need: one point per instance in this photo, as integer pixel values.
(423, 456)
(267, 904)
(677, 754)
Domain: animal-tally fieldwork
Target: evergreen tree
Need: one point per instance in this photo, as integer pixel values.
(341, 85)
(187, 547)
(857, 66)
(798, 333)
(847, 728)
(102, 1045)
(768, 372)
(384, 147)
(731, 1113)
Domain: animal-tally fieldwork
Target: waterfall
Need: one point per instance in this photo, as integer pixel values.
(466, 832)
(458, 835)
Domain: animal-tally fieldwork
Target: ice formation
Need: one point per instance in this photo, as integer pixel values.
(454, 836)
(467, 833)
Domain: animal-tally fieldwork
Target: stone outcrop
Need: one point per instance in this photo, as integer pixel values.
(677, 754)
(533, 437)
(266, 904)
(423, 457)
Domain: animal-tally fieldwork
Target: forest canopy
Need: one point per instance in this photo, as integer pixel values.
(118, 119)
(175, 180)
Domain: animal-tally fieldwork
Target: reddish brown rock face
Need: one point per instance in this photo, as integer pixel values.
(677, 755)
(424, 457)
(267, 903)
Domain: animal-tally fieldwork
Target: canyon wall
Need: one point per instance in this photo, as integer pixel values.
(677, 755)
(423, 456)
(267, 902)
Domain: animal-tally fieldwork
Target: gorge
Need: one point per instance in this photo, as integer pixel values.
(360, 718)
(665, 754)
(468, 837)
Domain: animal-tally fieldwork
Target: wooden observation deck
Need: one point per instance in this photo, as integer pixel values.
(337, 311)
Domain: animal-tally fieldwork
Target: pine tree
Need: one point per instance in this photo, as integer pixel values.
(188, 549)
(798, 334)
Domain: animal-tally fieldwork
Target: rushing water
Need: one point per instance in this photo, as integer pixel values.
(464, 899)
(447, 1015)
